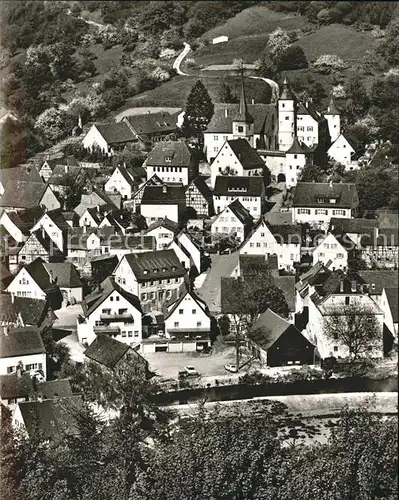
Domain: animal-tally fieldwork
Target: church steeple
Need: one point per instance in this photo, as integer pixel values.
(243, 113)
(286, 93)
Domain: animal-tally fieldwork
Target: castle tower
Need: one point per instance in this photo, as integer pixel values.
(286, 117)
(296, 158)
(243, 123)
(334, 121)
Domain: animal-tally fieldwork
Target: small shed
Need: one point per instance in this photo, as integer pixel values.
(220, 39)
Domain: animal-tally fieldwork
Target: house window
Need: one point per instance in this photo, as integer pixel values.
(304, 211)
(287, 117)
(340, 255)
(123, 333)
(10, 369)
(338, 212)
(335, 348)
(181, 311)
(369, 319)
(309, 129)
(130, 333)
(193, 311)
(347, 301)
(176, 324)
(199, 323)
(143, 296)
(168, 159)
(111, 299)
(136, 333)
(332, 200)
(106, 311)
(240, 128)
(215, 137)
(320, 200)
(320, 211)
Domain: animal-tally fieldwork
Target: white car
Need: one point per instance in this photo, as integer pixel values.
(231, 368)
(190, 370)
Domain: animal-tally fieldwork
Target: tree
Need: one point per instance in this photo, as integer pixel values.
(226, 94)
(375, 189)
(292, 58)
(277, 44)
(355, 328)
(329, 62)
(198, 111)
(357, 93)
(53, 124)
(312, 173)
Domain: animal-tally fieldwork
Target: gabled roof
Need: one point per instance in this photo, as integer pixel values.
(246, 155)
(143, 265)
(125, 174)
(106, 350)
(227, 185)
(178, 153)
(152, 123)
(309, 110)
(20, 342)
(354, 226)
(222, 119)
(52, 416)
(380, 278)
(240, 212)
(26, 219)
(183, 293)
(37, 270)
(287, 233)
(32, 311)
(114, 133)
(393, 298)
(163, 195)
(166, 223)
(57, 216)
(23, 194)
(22, 173)
(63, 174)
(306, 194)
(298, 147)
(287, 285)
(202, 187)
(65, 273)
(274, 326)
(97, 297)
(67, 160)
(46, 242)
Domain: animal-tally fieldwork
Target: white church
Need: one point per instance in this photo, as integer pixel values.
(285, 136)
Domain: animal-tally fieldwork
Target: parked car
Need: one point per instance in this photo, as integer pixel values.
(231, 368)
(191, 371)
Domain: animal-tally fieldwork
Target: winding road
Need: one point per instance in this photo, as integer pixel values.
(176, 66)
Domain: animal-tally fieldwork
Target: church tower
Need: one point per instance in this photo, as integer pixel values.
(334, 121)
(286, 117)
(243, 123)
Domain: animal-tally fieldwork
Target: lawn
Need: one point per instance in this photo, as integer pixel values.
(175, 92)
(256, 20)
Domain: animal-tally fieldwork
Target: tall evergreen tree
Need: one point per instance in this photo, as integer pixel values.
(198, 112)
(227, 95)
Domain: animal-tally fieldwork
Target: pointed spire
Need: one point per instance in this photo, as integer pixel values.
(332, 109)
(286, 93)
(243, 114)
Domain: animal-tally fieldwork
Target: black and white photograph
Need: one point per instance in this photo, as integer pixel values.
(199, 220)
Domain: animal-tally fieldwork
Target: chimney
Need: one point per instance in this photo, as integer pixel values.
(164, 189)
(341, 286)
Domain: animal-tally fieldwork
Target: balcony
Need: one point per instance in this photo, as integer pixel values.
(125, 317)
(113, 330)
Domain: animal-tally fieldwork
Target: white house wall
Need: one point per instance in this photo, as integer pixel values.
(330, 250)
(163, 236)
(155, 213)
(188, 314)
(51, 229)
(93, 138)
(23, 285)
(29, 359)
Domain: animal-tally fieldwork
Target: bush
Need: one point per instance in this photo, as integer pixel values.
(329, 62)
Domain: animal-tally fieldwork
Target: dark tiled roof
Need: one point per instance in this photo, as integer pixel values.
(114, 133)
(26, 173)
(153, 123)
(106, 350)
(309, 110)
(68, 160)
(252, 265)
(31, 310)
(52, 416)
(274, 326)
(352, 142)
(63, 174)
(12, 386)
(22, 194)
(380, 279)
(98, 296)
(246, 155)
(39, 273)
(287, 233)
(159, 260)
(50, 389)
(163, 195)
(20, 342)
(220, 123)
(58, 217)
(357, 226)
(202, 187)
(183, 293)
(65, 273)
(178, 152)
(166, 223)
(240, 212)
(392, 296)
(298, 147)
(307, 193)
(226, 185)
